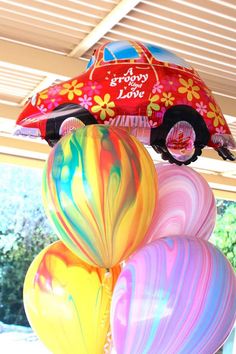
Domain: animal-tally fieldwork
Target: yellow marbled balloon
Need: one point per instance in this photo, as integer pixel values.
(99, 190)
(67, 301)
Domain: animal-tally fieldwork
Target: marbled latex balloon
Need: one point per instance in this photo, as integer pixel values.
(68, 301)
(177, 295)
(186, 204)
(100, 191)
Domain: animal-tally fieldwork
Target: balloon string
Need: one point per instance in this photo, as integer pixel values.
(108, 345)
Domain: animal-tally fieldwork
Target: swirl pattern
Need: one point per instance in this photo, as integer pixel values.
(186, 204)
(177, 295)
(99, 191)
(68, 301)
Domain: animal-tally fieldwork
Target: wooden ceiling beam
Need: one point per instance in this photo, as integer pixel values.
(27, 145)
(42, 61)
(9, 111)
(21, 161)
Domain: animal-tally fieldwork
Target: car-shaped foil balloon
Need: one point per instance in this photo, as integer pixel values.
(145, 89)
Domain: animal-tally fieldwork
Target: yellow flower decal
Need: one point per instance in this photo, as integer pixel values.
(152, 105)
(215, 114)
(43, 95)
(104, 106)
(167, 98)
(189, 89)
(72, 89)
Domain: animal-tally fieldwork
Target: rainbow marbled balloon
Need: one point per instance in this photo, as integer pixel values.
(99, 191)
(186, 204)
(177, 295)
(68, 301)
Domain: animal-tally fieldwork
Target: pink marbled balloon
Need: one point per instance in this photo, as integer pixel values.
(177, 295)
(185, 206)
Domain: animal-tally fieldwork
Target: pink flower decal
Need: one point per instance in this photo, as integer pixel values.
(85, 101)
(201, 107)
(220, 130)
(53, 91)
(52, 103)
(170, 83)
(93, 88)
(42, 108)
(157, 87)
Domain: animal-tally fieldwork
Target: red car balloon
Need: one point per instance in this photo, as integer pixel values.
(143, 88)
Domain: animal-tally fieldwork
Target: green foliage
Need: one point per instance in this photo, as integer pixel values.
(24, 232)
(224, 236)
(14, 264)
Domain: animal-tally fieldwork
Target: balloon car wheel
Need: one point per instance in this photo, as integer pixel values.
(167, 156)
(65, 118)
(183, 129)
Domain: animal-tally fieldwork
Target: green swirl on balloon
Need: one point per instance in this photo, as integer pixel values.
(98, 182)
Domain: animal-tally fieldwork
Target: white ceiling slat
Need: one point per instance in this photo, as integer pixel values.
(38, 24)
(229, 4)
(11, 72)
(190, 16)
(16, 78)
(169, 25)
(105, 6)
(205, 13)
(213, 9)
(14, 82)
(180, 48)
(66, 8)
(45, 22)
(164, 17)
(32, 11)
(124, 7)
(178, 38)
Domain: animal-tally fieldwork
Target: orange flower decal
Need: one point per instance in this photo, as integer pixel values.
(104, 106)
(215, 114)
(192, 91)
(167, 98)
(72, 89)
(43, 95)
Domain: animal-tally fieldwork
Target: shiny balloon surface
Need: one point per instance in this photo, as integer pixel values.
(176, 295)
(186, 204)
(67, 301)
(99, 190)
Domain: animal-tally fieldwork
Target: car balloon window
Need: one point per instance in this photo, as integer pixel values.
(120, 50)
(91, 62)
(162, 54)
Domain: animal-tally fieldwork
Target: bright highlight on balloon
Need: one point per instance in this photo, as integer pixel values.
(176, 295)
(68, 301)
(100, 192)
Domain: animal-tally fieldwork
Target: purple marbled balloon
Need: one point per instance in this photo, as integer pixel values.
(177, 295)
